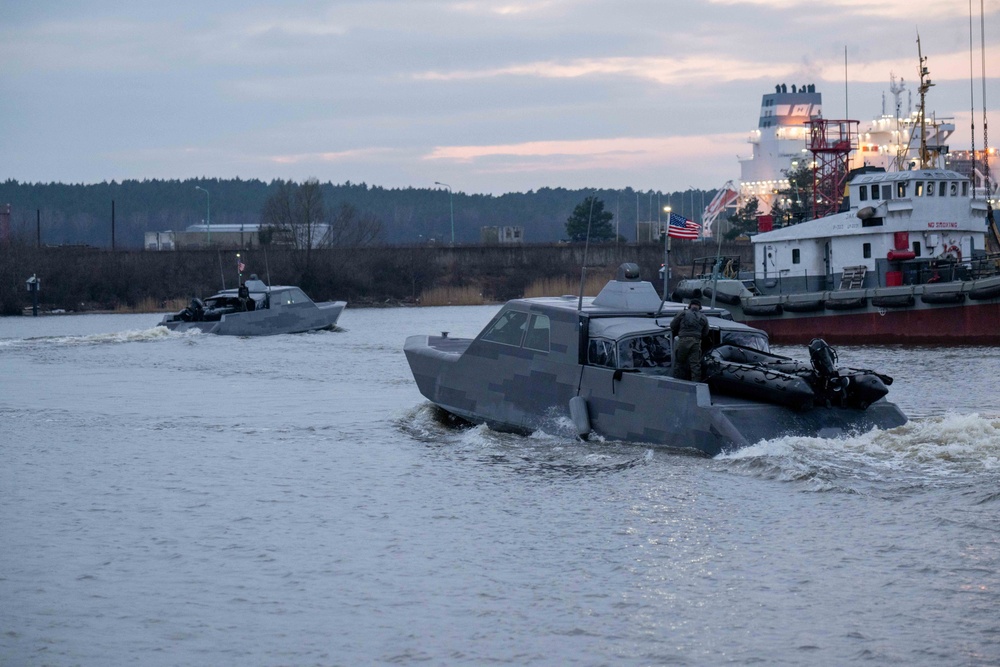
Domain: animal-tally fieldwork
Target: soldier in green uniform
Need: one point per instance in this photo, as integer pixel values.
(689, 327)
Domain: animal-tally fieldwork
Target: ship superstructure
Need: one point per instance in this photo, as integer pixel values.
(779, 142)
(892, 141)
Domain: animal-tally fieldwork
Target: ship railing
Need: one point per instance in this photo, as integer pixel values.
(728, 266)
(911, 272)
(985, 266)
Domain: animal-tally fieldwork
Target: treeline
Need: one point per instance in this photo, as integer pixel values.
(81, 279)
(120, 213)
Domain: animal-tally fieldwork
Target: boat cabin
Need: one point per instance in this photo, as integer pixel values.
(898, 228)
(638, 344)
(258, 296)
(625, 327)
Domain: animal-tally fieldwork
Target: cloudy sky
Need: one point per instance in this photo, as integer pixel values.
(489, 96)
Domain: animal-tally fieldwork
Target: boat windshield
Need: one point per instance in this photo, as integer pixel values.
(289, 296)
(750, 339)
(647, 351)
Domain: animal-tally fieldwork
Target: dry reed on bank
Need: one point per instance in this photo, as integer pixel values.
(151, 305)
(452, 296)
(563, 285)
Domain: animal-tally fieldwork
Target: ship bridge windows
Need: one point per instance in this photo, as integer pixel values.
(918, 189)
(886, 191)
(863, 192)
(953, 188)
(901, 189)
(796, 256)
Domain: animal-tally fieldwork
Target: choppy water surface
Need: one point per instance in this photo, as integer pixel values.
(176, 499)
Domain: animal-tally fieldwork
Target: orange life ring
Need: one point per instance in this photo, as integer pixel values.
(952, 252)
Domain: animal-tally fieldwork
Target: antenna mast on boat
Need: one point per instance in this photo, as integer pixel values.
(925, 85)
(222, 271)
(993, 230)
(847, 112)
(986, 138)
(899, 160)
(586, 246)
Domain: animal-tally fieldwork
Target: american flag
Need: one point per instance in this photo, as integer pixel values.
(682, 228)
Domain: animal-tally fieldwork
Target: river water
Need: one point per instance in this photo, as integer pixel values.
(186, 499)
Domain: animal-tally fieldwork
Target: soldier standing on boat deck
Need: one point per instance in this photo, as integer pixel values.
(689, 327)
(243, 294)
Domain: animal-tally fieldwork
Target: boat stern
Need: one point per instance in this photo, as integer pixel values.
(759, 421)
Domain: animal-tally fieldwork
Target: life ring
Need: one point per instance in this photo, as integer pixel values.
(952, 252)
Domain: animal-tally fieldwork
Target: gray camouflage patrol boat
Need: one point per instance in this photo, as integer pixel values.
(605, 363)
(260, 311)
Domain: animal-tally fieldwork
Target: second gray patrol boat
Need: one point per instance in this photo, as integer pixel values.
(260, 310)
(605, 362)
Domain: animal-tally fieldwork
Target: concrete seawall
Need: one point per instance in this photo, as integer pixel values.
(77, 278)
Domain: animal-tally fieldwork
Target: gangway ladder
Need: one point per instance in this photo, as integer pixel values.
(853, 277)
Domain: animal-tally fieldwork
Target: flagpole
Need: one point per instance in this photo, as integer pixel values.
(666, 257)
(666, 261)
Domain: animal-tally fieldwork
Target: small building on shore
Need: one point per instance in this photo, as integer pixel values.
(501, 235)
(230, 236)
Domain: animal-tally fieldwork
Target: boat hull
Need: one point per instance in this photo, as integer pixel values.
(967, 324)
(953, 313)
(517, 390)
(294, 318)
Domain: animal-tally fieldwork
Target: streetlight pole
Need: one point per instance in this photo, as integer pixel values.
(451, 206)
(208, 211)
(666, 259)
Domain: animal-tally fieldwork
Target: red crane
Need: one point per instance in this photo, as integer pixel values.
(831, 143)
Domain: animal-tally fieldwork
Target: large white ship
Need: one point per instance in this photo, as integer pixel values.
(899, 249)
(891, 141)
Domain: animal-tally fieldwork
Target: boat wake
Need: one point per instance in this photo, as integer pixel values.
(928, 453)
(554, 454)
(130, 336)
(924, 453)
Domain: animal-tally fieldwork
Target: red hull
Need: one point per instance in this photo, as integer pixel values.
(969, 324)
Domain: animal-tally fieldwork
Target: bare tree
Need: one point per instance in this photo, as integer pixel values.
(351, 228)
(297, 212)
(311, 215)
(295, 215)
(277, 214)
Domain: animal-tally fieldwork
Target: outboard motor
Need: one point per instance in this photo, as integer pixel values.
(824, 363)
(823, 357)
(197, 309)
